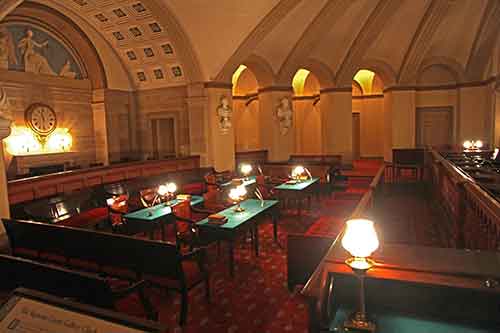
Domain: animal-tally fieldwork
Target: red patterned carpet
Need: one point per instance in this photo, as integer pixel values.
(257, 298)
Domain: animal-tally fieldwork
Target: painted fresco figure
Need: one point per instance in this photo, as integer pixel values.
(33, 61)
(7, 52)
(66, 71)
(284, 114)
(224, 112)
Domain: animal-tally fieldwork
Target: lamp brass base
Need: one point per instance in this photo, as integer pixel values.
(359, 323)
(239, 209)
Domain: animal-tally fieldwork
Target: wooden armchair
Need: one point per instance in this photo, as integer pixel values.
(186, 229)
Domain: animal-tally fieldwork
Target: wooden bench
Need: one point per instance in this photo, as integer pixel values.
(115, 255)
(79, 286)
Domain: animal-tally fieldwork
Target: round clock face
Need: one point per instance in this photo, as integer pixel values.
(41, 119)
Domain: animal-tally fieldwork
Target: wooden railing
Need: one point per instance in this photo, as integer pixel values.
(366, 203)
(253, 157)
(32, 188)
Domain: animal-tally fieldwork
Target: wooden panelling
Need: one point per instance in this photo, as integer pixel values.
(45, 186)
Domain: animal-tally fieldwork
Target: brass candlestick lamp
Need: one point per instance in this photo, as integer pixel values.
(360, 240)
(237, 195)
(166, 193)
(245, 170)
(298, 173)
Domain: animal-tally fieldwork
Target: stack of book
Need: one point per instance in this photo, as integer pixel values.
(217, 219)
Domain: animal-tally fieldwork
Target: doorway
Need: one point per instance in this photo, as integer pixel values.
(163, 131)
(356, 134)
(434, 127)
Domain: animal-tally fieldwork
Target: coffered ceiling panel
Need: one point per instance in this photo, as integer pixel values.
(144, 45)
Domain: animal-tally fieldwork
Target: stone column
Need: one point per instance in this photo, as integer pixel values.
(213, 144)
(279, 143)
(336, 121)
(100, 127)
(399, 120)
(5, 122)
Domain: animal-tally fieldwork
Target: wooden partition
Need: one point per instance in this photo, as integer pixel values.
(253, 157)
(32, 188)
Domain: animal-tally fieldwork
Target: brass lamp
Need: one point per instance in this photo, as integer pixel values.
(237, 195)
(298, 172)
(360, 240)
(166, 192)
(245, 170)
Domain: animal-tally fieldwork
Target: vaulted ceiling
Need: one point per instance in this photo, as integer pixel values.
(173, 42)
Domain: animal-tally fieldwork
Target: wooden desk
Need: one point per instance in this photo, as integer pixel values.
(240, 222)
(151, 218)
(436, 280)
(298, 191)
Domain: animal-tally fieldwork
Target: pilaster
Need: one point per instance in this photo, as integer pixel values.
(279, 143)
(336, 121)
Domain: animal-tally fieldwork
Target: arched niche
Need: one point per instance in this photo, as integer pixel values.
(368, 113)
(50, 25)
(246, 109)
(437, 74)
(307, 116)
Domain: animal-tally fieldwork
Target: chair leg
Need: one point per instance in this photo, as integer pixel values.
(184, 307)
(207, 288)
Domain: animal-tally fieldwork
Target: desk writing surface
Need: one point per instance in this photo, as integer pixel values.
(298, 186)
(394, 322)
(160, 210)
(431, 259)
(252, 208)
(246, 182)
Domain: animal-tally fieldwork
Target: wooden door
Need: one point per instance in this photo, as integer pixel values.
(434, 127)
(356, 135)
(164, 144)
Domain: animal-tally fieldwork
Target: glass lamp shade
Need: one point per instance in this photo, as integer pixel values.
(171, 188)
(246, 169)
(360, 238)
(162, 190)
(297, 171)
(467, 144)
(478, 144)
(237, 193)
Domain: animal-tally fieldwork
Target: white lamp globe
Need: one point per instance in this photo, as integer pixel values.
(360, 238)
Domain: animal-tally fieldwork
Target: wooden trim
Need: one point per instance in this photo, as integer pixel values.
(304, 98)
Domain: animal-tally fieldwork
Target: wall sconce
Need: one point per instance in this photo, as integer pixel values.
(23, 141)
(237, 195)
(360, 240)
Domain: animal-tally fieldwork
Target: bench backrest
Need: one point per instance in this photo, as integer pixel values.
(83, 287)
(105, 249)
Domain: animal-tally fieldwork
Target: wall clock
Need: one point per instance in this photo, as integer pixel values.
(41, 119)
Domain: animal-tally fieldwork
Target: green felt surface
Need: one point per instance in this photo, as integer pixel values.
(298, 186)
(390, 322)
(252, 208)
(250, 181)
(158, 211)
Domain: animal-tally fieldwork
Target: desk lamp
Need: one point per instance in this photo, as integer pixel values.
(360, 240)
(237, 195)
(298, 172)
(245, 170)
(167, 191)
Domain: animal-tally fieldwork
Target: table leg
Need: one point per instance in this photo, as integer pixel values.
(256, 239)
(152, 234)
(231, 257)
